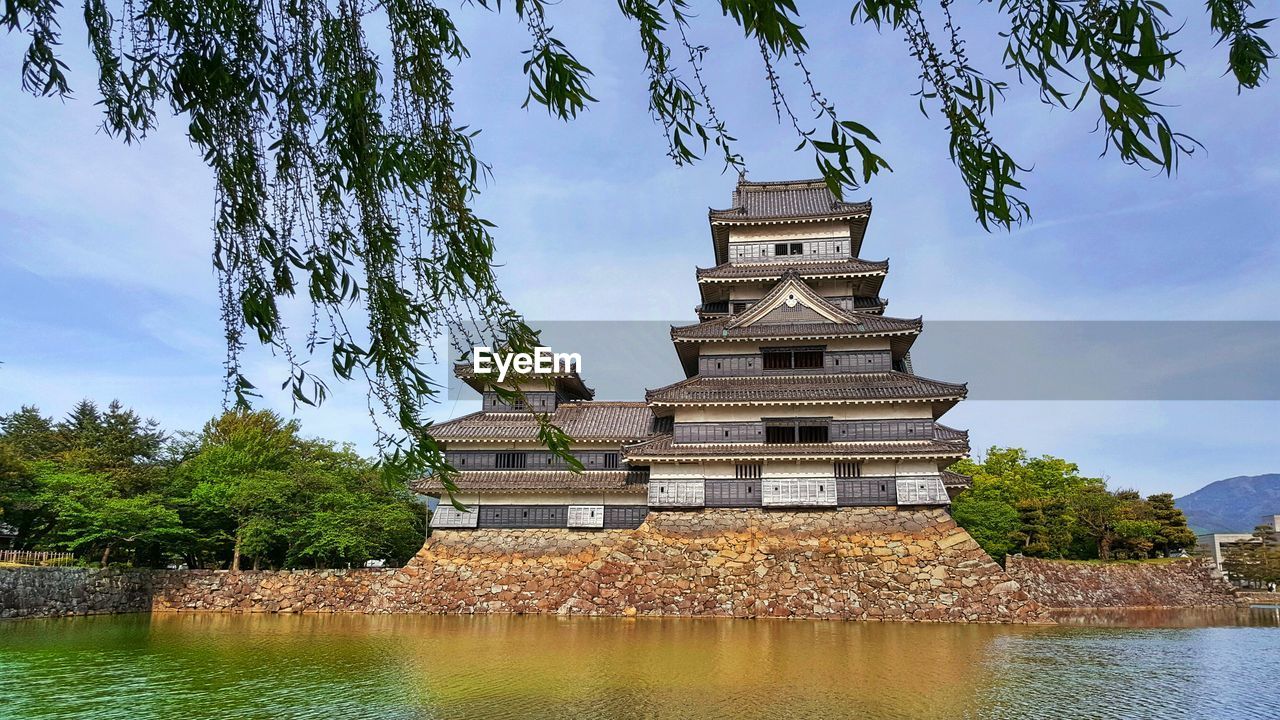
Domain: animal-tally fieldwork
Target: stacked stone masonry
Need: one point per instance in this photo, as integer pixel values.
(854, 564)
(55, 592)
(1064, 584)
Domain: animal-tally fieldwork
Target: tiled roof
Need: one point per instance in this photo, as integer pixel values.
(627, 481)
(866, 324)
(792, 388)
(785, 200)
(583, 420)
(943, 432)
(663, 447)
(570, 383)
(956, 480)
(775, 270)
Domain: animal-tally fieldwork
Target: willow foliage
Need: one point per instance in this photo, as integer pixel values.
(341, 175)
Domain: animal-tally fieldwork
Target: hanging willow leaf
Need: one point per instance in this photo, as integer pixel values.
(343, 176)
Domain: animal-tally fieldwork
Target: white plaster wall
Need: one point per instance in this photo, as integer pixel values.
(875, 411)
(792, 231)
(723, 470)
(826, 287)
(720, 347)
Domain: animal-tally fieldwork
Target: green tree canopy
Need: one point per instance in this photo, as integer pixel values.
(112, 487)
(94, 515)
(1044, 507)
(341, 174)
(256, 484)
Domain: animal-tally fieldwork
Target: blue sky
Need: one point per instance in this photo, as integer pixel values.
(107, 289)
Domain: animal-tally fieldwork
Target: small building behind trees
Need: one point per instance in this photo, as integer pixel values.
(1247, 559)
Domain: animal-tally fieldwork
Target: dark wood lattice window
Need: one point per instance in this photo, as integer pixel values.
(776, 435)
(806, 358)
(797, 430)
(749, 471)
(510, 461)
(774, 360)
(611, 461)
(814, 434)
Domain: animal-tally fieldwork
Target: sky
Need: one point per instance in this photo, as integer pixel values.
(107, 291)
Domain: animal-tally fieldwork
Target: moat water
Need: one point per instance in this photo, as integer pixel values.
(190, 667)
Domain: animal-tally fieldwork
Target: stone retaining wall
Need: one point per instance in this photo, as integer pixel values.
(1247, 598)
(53, 591)
(854, 563)
(1066, 584)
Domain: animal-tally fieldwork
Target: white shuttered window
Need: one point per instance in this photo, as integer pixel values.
(802, 492)
(586, 516)
(448, 516)
(676, 493)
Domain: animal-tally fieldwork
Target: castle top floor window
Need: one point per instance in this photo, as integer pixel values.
(782, 249)
(785, 431)
(799, 358)
(510, 460)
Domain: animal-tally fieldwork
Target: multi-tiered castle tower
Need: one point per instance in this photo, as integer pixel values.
(799, 393)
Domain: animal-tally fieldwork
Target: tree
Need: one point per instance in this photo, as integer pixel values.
(16, 480)
(82, 428)
(347, 178)
(1173, 534)
(1044, 507)
(350, 514)
(256, 489)
(93, 516)
(349, 526)
(1021, 504)
(1043, 527)
(992, 523)
(1095, 512)
(30, 434)
(25, 436)
(241, 473)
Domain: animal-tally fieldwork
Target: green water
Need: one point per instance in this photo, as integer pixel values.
(198, 666)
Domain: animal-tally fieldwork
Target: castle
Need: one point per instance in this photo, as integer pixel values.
(799, 394)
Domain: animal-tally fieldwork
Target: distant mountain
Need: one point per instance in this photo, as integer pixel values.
(1233, 505)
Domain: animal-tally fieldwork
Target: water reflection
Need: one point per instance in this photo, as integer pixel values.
(481, 668)
(1170, 617)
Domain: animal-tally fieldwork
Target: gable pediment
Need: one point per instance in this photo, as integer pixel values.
(791, 301)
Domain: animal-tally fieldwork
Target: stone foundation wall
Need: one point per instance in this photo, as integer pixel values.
(854, 563)
(1067, 584)
(53, 591)
(1246, 598)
